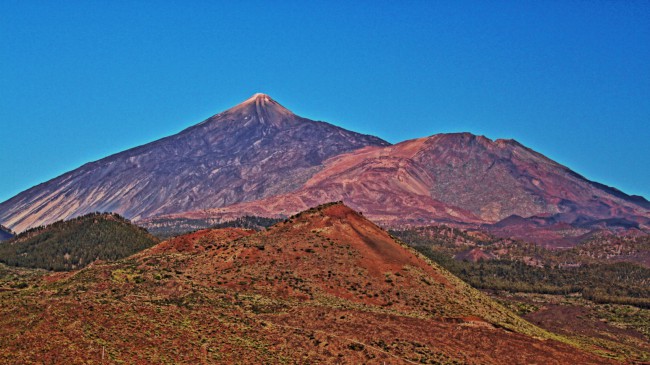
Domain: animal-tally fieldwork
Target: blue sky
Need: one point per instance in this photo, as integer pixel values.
(80, 80)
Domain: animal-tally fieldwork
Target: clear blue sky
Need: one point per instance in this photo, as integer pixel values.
(83, 79)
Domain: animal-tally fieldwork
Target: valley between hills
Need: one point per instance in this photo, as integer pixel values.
(258, 236)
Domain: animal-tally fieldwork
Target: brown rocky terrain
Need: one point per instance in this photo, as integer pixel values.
(326, 286)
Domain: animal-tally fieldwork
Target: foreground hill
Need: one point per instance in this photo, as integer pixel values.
(326, 286)
(459, 178)
(254, 150)
(76, 243)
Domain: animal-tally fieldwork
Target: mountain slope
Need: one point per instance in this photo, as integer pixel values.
(5, 233)
(327, 286)
(453, 178)
(254, 150)
(76, 243)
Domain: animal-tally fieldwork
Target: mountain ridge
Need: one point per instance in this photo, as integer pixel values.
(258, 158)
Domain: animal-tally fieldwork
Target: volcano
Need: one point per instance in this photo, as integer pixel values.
(254, 150)
(260, 159)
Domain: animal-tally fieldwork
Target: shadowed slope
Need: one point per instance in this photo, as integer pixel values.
(5, 233)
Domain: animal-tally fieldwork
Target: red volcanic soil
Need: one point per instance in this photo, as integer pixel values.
(326, 286)
(393, 339)
(331, 250)
(474, 255)
(197, 241)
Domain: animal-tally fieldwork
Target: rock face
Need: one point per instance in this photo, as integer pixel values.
(254, 150)
(457, 178)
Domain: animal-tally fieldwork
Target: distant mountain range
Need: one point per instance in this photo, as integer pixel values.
(259, 158)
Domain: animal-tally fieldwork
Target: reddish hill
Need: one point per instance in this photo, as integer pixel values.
(474, 255)
(198, 241)
(326, 286)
